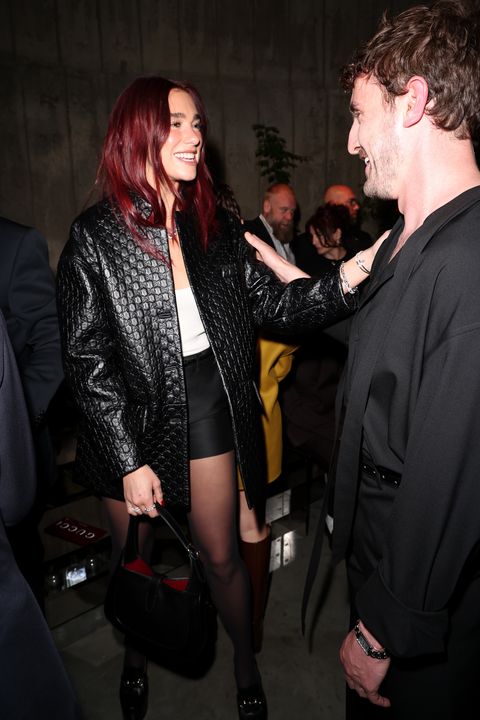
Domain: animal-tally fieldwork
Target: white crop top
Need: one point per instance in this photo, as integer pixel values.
(192, 332)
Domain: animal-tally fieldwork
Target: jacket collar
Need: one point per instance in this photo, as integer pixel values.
(402, 272)
(383, 270)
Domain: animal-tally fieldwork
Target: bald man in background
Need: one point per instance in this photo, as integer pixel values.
(357, 239)
(275, 225)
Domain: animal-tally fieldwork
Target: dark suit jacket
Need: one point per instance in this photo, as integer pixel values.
(413, 386)
(27, 300)
(33, 682)
(257, 227)
(16, 447)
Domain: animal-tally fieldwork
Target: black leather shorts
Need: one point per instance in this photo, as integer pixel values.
(209, 421)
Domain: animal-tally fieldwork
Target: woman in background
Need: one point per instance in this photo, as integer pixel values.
(308, 400)
(323, 243)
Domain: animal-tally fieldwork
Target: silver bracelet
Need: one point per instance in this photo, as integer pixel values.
(343, 277)
(360, 263)
(366, 647)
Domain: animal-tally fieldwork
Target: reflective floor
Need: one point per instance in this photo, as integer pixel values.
(302, 678)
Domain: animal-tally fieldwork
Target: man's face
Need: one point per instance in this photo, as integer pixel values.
(351, 203)
(374, 137)
(279, 211)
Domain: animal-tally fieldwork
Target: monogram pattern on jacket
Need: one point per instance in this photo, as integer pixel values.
(122, 350)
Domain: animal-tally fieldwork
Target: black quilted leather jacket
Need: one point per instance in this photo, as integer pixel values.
(122, 351)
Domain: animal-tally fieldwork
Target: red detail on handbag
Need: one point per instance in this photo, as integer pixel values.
(140, 566)
(177, 584)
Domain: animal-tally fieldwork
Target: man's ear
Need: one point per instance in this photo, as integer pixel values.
(266, 207)
(414, 100)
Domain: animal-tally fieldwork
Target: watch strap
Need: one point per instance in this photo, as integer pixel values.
(366, 647)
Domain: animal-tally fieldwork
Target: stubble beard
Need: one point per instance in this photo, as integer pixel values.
(382, 177)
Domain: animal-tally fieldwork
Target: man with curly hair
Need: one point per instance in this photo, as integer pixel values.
(407, 486)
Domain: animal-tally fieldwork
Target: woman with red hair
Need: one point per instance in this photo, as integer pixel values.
(159, 299)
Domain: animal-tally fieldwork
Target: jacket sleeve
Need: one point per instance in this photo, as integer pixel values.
(433, 539)
(90, 357)
(301, 305)
(17, 463)
(33, 315)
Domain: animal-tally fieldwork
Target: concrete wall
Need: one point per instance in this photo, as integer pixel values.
(63, 62)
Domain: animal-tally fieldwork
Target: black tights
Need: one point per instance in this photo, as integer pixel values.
(213, 526)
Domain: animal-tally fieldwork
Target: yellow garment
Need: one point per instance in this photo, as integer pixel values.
(275, 361)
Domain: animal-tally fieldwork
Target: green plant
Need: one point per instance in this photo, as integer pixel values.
(274, 160)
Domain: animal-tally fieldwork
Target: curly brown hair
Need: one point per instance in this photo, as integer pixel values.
(440, 43)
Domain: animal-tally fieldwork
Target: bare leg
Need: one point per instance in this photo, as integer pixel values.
(213, 526)
(118, 520)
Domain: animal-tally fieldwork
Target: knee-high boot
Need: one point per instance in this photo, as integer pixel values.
(256, 557)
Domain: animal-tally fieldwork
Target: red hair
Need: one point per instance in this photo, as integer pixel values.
(138, 127)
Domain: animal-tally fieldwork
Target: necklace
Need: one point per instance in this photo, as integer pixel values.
(171, 234)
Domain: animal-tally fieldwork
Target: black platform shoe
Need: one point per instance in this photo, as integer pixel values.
(252, 703)
(134, 694)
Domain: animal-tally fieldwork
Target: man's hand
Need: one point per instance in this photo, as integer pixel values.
(363, 673)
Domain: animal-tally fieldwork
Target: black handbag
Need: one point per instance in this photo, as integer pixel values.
(169, 616)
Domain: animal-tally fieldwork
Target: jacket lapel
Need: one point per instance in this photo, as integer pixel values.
(382, 270)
